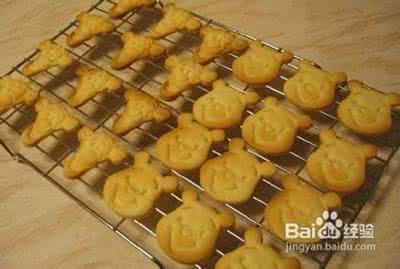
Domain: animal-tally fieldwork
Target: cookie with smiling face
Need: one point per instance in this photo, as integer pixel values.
(125, 6)
(14, 92)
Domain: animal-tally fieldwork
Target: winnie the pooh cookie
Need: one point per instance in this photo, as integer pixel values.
(187, 146)
(51, 117)
(188, 234)
(94, 148)
(260, 65)
(273, 129)
(125, 6)
(140, 108)
(133, 191)
(136, 47)
(338, 164)
(14, 92)
(223, 106)
(50, 55)
(255, 255)
(184, 74)
(365, 111)
(217, 42)
(174, 19)
(233, 176)
(312, 88)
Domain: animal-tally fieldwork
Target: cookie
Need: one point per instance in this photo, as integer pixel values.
(189, 233)
(125, 6)
(136, 47)
(312, 88)
(187, 146)
(339, 165)
(174, 19)
(132, 192)
(255, 255)
(365, 111)
(94, 149)
(259, 64)
(233, 176)
(273, 129)
(14, 92)
(217, 42)
(297, 204)
(140, 108)
(184, 74)
(50, 55)
(223, 106)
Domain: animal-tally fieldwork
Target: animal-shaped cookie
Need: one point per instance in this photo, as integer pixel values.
(298, 204)
(125, 6)
(174, 19)
(366, 111)
(312, 88)
(187, 146)
(14, 92)
(140, 108)
(94, 149)
(338, 164)
(136, 47)
(189, 233)
(223, 106)
(255, 255)
(259, 64)
(233, 176)
(50, 55)
(92, 81)
(217, 42)
(184, 74)
(273, 129)
(132, 192)
(51, 117)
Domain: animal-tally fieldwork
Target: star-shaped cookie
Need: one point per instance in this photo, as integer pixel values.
(125, 6)
(14, 92)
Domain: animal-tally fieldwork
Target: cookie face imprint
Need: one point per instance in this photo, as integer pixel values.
(188, 234)
(184, 74)
(222, 107)
(14, 92)
(273, 129)
(125, 6)
(51, 117)
(255, 255)
(187, 146)
(259, 65)
(133, 191)
(300, 204)
(366, 111)
(312, 88)
(94, 148)
(233, 176)
(339, 165)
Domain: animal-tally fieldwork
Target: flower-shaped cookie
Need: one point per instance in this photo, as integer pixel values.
(187, 146)
(14, 92)
(366, 111)
(125, 6)
(223, 106)
(273, 129)
(188, 234)
(133, 191)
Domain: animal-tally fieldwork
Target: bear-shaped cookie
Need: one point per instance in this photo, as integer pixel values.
(14, 92)
(125, 6)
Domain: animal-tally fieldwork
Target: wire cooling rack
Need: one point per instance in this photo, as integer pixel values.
(148, 76)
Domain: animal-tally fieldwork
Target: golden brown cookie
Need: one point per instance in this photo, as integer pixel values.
(298, 204)
(136, 47)
(273, 129)
(187, 146)
(14, 92)
(132, 192)
(366, 111)
(217, 42)
(189, 233)
(140, 108)
(223, 106)
(125, 6)
(259, 64)
(184, 74)
(312, 88)
(233, 176)
(50, 55)
(94, 149)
